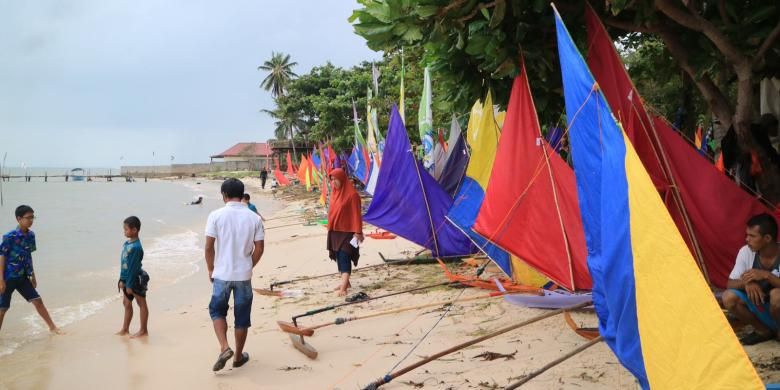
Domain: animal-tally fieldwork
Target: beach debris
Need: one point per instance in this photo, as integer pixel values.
(416, 385)
(294, 368)
(490, 356)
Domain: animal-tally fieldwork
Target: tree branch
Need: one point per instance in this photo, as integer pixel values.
(628, 26)
(479, 8)
(767, 44)
(697, 23)
(717, 101)
(450, 7)
(723, 14)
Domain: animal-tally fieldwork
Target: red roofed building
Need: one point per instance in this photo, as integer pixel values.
(257, 154)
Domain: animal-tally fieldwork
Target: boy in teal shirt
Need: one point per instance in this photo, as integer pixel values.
(133, 280)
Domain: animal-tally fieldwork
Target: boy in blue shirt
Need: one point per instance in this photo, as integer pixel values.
(133, 280)
(16, 268)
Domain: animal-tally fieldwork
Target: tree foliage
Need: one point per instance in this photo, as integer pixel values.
(722, 48)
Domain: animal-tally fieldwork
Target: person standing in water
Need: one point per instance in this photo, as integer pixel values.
(345, 227)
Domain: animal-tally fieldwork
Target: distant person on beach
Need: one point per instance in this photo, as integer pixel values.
(251, 206)
(263, 177)
(753, 294)
(345, 227)
(133, 280)
(16, 267)
(238, 234)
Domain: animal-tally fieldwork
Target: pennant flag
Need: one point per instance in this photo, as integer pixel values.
(655, 310)
(471, 193)
(439, 156)
(316, 160)
(409, 202)
(697, 140)
(457, 160)
(371, 138)
(361, 151)
(302, 170)
(401, 104)
(533, 212)
(280, 178)
(371, 186)
(425, 121)
(703, 190)
(290, 167)
(719, 163)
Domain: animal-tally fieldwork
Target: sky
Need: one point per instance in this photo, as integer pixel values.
(109, 83)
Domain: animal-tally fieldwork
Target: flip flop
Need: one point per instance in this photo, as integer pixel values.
(223, 358)
(359, 297)
(244, 359)
(755, 338)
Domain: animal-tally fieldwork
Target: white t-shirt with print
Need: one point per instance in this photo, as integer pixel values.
(236, 228)
(744, 263)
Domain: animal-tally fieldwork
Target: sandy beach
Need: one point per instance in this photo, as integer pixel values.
(181, 347)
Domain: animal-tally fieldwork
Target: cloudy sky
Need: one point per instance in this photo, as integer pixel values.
(85, 83)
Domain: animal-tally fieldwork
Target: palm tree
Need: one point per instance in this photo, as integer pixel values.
(280, 73)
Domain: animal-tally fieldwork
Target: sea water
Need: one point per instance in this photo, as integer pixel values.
(79, 234)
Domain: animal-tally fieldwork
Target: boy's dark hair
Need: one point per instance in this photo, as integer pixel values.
(232, 188)
(22, 210)
(133, 222)
(766, 224)
(246, 197)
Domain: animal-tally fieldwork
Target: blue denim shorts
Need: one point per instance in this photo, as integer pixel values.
(343, 262)
(25, 288)
(242, 301)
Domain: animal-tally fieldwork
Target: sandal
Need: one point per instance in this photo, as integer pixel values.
(359, 297)
(755, 338)
(222, 359)
(244, 359)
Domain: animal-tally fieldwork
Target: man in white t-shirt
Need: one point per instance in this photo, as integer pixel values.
(753, 294)
(238, 234)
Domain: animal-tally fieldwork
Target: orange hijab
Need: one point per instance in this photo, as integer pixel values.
(344, 214)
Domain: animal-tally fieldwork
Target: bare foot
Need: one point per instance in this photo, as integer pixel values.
(122, 333)
(56, 331)
(341, 292)
(140, 333)
(337, 288)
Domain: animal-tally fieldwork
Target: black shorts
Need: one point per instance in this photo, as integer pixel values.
(140, 287)
(25, 288)
(343, 262)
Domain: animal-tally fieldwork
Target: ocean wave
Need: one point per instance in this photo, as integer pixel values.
(173, 257)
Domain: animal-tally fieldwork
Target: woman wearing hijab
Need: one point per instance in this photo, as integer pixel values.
(345, 226)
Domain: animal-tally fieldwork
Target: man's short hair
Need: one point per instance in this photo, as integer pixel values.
(766, 224)
(22, 210)
(246, 197)
(233, 188)
(133, 222)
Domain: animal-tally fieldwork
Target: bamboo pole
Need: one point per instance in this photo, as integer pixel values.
(554, 363)
(389, 377)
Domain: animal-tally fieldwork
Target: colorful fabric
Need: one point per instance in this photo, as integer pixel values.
(409, 202)
(705, 192)
(17, 248)
(469, 199)
(761, 313)
(656, 311)
(457, 160)
(425, 121)
(344, 214)
(533, 213)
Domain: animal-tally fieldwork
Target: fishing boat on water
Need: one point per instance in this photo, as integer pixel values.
(77, 174)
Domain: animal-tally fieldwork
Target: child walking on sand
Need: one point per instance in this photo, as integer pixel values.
(133, 280)
(16, 267)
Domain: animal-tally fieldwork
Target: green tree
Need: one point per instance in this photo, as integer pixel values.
(722, 48)
(280, 73)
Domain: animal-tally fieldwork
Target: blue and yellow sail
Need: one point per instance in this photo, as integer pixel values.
(656, 311)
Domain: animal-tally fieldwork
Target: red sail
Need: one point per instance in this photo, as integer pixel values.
(716, 207)
(530, 208)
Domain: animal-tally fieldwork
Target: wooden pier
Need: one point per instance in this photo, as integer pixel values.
(46, 177)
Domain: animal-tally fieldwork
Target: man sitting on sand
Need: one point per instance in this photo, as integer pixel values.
(754, 284)
(238, 234)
